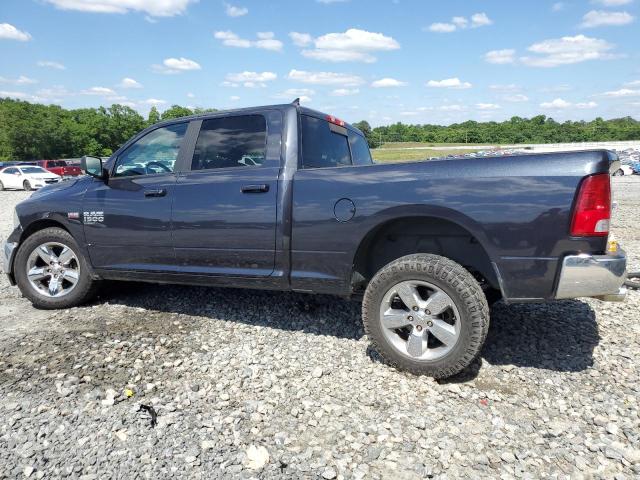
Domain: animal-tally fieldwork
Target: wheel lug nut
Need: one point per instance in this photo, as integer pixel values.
(415, 308)
(429, 324)
(419, 328)
(427, 312)
(410, 318)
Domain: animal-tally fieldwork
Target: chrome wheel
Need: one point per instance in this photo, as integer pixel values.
(53, 269)
(419, 320)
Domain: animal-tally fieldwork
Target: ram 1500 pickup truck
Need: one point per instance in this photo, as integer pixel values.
(287, 198)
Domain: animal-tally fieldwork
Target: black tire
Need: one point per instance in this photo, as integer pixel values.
(1, 186)
(84, 290)
(27, 186)
(458, 284)
(618, 173)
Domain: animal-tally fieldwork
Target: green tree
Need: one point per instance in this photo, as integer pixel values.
(176, 111)
(154, 116)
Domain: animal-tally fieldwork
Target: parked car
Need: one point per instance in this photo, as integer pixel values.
(61, 168)
(623, 169)
(425, 245)
(29, 177)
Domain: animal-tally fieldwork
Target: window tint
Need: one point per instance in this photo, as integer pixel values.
(156, 152)
(10, 170)
(321, 147)
(32, 170)
(359, 149)
(223, 142)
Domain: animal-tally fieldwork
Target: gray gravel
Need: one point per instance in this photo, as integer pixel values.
(274, 385)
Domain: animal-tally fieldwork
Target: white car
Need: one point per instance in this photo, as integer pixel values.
(623, 170)
(27, 177)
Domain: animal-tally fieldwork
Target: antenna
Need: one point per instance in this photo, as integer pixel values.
(296, 102)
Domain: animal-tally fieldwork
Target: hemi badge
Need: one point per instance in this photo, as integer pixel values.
(73, 215)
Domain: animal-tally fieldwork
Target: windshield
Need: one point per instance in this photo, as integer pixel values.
(57, 163)
(33, 170)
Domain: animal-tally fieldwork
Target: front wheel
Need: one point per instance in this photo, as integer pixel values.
(618, 173)
(1, 186)
(27, 186)
(51, 271)
(426, 314)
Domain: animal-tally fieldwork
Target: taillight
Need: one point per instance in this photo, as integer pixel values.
(592, 212)
(335, 121)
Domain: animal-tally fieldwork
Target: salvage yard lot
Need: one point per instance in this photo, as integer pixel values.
(277, 385)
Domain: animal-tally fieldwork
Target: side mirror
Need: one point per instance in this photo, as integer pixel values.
(93, 167)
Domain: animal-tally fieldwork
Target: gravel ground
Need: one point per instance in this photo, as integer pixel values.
(265, 385)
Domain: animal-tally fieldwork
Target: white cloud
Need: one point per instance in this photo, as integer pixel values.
(25, 96)
(129, 83)
(176, 65)
(325, 78)
(21, 80)
(233, 11)
(9, 32)
(102, 91)
(558, 6)
(249, 79)
(234, 98)
(154, 102)
(448, 83)
(500, 57)
(601, 18)
(568, 50)
(480, 20)
(460, 23)
(515, 98)
(561, 104)
(300, 39)
(558, 103)
(354, 45)
(294, 92)
(50, 64)
(266, 40)
(191, 95)
(344, 92)
(440, 27)
(623, 92)
(155, 8)
(635, 83)
(388, 82)
(612, 3)
(487, 106)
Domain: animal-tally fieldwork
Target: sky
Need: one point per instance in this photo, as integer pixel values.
(384, 61)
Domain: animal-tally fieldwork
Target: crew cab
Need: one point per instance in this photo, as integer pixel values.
(60, 167)
(287, 198)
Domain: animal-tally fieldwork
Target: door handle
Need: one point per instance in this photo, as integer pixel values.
(255, 188)
(157, 192)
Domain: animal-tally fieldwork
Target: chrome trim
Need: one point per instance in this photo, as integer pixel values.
(8, 251)
(600, 276)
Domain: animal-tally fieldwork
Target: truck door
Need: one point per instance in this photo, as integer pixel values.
(127, 220)
(225, 206)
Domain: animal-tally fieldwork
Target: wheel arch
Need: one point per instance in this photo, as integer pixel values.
(438, 231)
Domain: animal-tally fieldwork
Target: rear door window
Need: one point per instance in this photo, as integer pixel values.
(359, 149)
(322, 147)
(237, 141)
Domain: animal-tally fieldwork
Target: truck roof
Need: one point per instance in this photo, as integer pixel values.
(249, 110)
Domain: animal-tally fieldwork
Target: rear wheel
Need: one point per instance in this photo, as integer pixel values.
(618, 173)
(51, 271)
(27, 186)
(426, 314)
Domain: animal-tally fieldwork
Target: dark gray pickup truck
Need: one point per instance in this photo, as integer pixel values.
(287, 198)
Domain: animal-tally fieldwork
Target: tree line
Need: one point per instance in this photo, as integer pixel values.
(30, 131)
(539, 129)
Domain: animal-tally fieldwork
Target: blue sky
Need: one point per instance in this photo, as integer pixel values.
(415, 61)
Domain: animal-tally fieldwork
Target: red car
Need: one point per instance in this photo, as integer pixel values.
(60, 167)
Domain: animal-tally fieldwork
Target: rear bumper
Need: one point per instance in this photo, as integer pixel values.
(599, 276)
